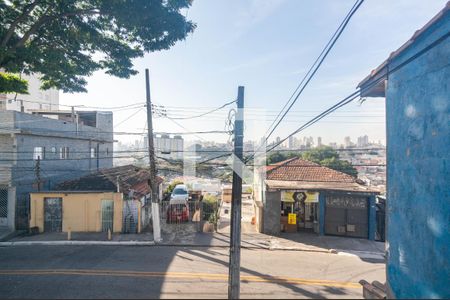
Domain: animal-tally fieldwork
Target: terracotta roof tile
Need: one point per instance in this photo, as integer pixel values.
(106, 180)
(296, 169)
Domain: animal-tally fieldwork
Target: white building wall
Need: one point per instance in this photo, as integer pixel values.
(36, 99)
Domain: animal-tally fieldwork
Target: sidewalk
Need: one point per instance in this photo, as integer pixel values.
(83, 236)
(309, 242)
(7, 234)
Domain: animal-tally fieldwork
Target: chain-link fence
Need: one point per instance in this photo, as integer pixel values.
(203, 213)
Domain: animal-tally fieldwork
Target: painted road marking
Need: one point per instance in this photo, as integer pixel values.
(181, 275)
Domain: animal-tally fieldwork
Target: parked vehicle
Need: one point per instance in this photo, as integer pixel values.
(178, 209)
(177, 213)
(179, 194)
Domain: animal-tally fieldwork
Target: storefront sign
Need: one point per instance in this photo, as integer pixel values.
(292, 219)
(312, 197)
(287, 196)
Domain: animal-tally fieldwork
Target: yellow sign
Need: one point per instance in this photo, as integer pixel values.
(312, 197)
(292, 219)
(287, 196)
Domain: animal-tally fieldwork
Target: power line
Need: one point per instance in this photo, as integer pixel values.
(316, 65)
(129, 117)
(201, 115)
(356, 94)
(209, 151)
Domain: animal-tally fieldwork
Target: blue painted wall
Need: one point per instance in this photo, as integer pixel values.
(418, 174)
(372, 217)
(322, 203)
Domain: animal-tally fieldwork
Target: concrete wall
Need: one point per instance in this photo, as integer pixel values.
(37, 131)
(272, 213)
(418, 172)
(82, 212)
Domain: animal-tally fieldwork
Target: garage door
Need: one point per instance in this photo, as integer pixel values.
(347, 216)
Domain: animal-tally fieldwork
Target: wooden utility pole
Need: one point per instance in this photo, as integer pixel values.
(151, 155)
(236, 199)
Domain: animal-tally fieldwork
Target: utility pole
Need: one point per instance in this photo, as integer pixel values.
(151, 155)
(234, 279)
(38, 173)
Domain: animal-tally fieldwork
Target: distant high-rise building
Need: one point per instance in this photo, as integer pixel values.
(291, 144)
(166, 146)
(363, 141)
(348, 142)
(319, 142)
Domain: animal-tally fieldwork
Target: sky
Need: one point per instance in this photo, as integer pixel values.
(266, 46)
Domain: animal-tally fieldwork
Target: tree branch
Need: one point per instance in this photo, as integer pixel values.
(43, 19)
(26, 12)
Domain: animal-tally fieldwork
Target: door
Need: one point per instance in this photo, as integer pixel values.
(347, 216)
(3, 206)
(52, 214)
(107, 215)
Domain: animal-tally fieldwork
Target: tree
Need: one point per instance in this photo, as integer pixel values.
(65, 41)
(10, 83)
(328, 157)
(276, 157)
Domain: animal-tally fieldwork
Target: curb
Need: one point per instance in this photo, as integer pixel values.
(77, 243)
(12, 235)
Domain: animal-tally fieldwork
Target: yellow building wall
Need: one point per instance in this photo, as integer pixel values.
(81, 212)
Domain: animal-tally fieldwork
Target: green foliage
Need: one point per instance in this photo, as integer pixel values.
(248, 190)
(172, 185)
(319, 154)
(276, 157)
(340, 165)
(328, 157)
(65, 41)
(210, 209)
(10, 83)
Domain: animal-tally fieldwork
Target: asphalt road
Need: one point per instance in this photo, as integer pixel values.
(177, 272)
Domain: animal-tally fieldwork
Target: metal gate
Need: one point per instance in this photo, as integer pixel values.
(52, 214)
(130, 216)
(347, 216)
(107, 215)
(3, 207)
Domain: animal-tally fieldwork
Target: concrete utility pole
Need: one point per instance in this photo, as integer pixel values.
(151, 155)
(37, 170)
(236, 199)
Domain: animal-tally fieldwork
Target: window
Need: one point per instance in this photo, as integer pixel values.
(39, 153)
(179, 191)
(93, 153)
(53, 150)
(64, 152)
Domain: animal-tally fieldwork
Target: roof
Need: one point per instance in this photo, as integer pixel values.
(378, 90)
(297, 169)
(129, 178)
(320, 186)
(297, 173)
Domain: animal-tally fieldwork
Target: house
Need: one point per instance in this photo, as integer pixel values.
(113, 198)
(297, 195)
(415, 80)
(38, 152)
